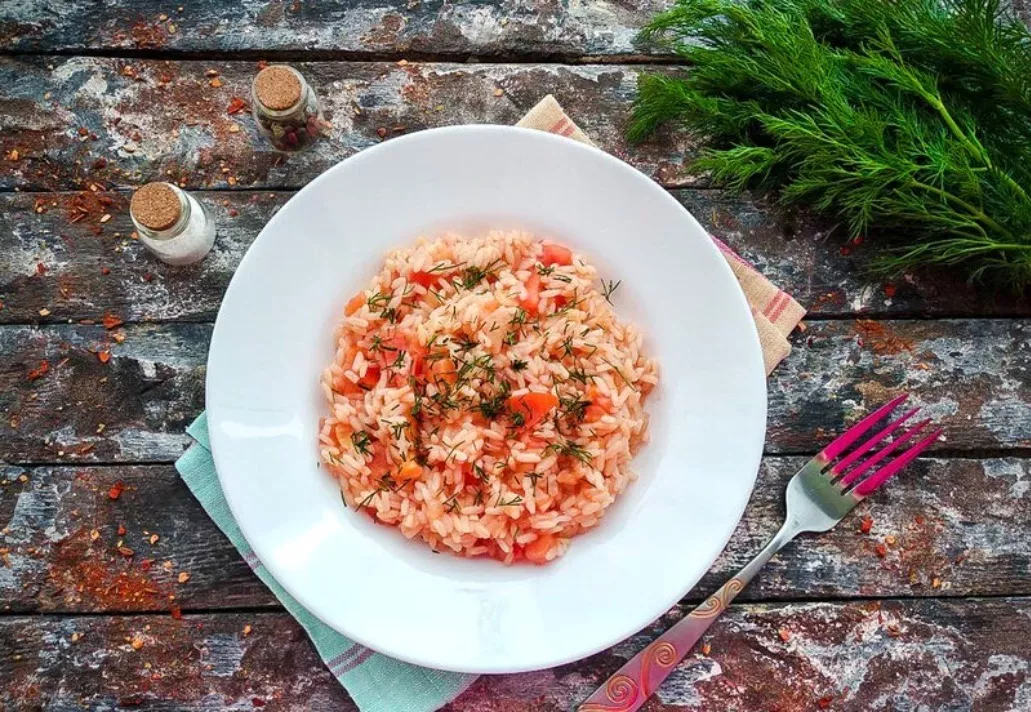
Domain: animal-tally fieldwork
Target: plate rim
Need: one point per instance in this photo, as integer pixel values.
(754, 355)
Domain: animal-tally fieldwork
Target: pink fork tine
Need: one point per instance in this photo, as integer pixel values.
(859, 429)
(892, 468)
(869, 444)
(908, 435)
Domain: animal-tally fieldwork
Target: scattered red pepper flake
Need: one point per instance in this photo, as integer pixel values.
(176, 612)
(104, 356)
(824, 703)
(146, 564)
(881, 550)
(236, 105)
(147, 276)
(784, 634)
(889, 290)
(257, 702)
(919, 519)
(105, 271)
(121, 527)
(41, 269)
(866, 525)
(845, 251)
(706, 648)
(111, 321)
(116, 490)
(39, 372)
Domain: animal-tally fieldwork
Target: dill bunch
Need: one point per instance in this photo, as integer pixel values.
(909, 118)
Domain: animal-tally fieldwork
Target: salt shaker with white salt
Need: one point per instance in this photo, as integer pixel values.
(172, 223)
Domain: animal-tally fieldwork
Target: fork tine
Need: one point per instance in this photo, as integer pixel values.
(869, 444)
(859, 429)
(895, 466)
(881, 454)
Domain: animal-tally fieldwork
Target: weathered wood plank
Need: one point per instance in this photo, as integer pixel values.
(956, 527)
(520, 28)
(972, 375)
(158, 119)
(897, 656)
(90, 267)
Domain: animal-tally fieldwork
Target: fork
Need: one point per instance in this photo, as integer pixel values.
(819, 496)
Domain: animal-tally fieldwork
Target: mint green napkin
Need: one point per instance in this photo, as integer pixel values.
(375, 682)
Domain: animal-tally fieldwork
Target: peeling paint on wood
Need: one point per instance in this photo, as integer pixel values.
(91, 267)
(958, 527)
(191, 139)
(889, 656)
(971, 375)
(523, 28)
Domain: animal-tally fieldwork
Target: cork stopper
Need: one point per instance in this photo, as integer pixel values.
(277, 88)
(156, 206)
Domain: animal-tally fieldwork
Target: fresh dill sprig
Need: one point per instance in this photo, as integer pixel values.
(569, 448)
(609, 288)
(910, 119)
(361, 441)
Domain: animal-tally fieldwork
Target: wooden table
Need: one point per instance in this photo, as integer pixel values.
(117, 592)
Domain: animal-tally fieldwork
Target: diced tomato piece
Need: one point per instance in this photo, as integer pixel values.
(594, 413)
(533, 294)
(343, 384)
(534, 407)
(371, 377)
(424, 279)
(600, 405)
(410, 470)
(444, 370)
(560, 301)
(552, 254)
(537, 550)
(355, 304)
(343, 434)
(417, 353)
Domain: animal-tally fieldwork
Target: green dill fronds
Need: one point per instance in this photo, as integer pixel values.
(907, 118)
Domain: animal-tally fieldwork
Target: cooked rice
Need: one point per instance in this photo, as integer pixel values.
(430, 427)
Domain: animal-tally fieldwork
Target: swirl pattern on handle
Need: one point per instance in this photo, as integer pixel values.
(718, 602)
(663, 654)
(621, 691)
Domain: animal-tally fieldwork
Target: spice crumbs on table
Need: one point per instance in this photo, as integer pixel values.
(784, 634)
(44, 312)
(882, 550)
(247, 630)
(154, 539)
(890, 540)
(116, 490)
(706, 648)
(184, 576)
(137, 643)
(121, 530)
(76, 636)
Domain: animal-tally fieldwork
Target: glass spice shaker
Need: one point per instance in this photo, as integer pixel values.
(286, 108)
(172, 223)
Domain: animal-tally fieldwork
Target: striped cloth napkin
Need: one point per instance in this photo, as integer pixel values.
(775, 312)
(375, 682)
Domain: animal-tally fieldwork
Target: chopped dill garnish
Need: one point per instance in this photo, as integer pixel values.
(466, 344)
(494, 406)
(510, 502)
(545, 271)
(451, 504)
(481, 474)
(519, 316)
(378, 301)
(390, 315)
(444, 267)
(511, 338)
(567, 346)
(564, 278)
(396, 429)
(451, 452)
(478, 499)
(517, 418)
(534, 476)
(580, 375)
(609, 288)
(614, 368)
(472, 276)
(361, 442)
(570, 449)
(573, 407)
(399, 362)
(518, 364)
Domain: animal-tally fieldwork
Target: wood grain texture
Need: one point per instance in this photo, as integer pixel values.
(89, 267)
(193, 139)
(888, 656)
(971, 375)
(948, 527)
(518, 28)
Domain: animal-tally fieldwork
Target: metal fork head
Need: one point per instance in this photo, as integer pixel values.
(853, 466)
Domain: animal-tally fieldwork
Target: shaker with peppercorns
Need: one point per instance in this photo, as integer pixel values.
(286, 108)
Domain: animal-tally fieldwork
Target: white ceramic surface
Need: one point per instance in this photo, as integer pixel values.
(273, 336)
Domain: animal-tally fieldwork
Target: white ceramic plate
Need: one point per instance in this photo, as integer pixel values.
(274, 335)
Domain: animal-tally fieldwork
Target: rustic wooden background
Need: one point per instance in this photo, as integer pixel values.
(117, 592)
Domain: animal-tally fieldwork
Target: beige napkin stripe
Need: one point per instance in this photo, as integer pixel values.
(775, 312)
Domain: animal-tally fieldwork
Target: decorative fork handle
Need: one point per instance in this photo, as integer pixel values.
(631, 686)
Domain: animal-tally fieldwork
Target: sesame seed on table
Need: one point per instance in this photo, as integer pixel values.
(117, 591)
